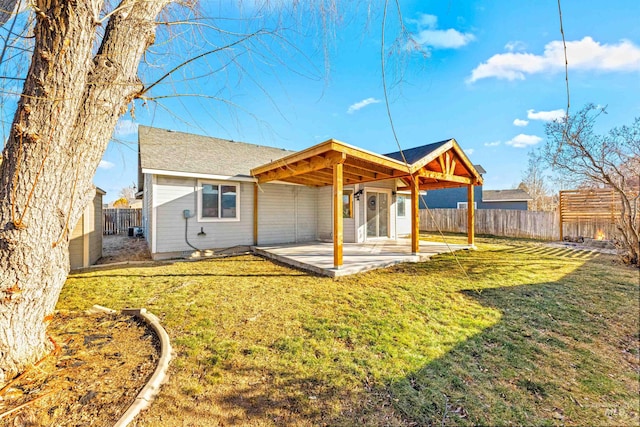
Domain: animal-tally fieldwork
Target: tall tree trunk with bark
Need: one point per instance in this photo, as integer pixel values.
(71, 101)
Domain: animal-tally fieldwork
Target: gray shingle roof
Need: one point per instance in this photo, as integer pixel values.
(183, 152)
(414, 154)
(505, 195)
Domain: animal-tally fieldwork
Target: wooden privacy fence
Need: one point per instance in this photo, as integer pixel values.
(499, 222)
(589, 213)
(118, 221)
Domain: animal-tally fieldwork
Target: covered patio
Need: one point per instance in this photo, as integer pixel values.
(317, 257)
(333, 163)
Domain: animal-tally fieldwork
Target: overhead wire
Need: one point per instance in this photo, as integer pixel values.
(397, 140)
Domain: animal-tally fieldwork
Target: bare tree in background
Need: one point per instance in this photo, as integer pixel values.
(534, 182)
(84, 73)
(129, 193)
(612, 161)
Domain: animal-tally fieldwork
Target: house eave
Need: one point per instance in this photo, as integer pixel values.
(198, 175)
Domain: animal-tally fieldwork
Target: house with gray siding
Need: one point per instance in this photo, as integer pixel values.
(456, 198)
(201, 193)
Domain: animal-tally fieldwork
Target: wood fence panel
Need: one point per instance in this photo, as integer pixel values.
(118, 221)
(498, 222)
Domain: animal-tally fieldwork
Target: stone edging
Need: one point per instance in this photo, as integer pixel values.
(151, 389)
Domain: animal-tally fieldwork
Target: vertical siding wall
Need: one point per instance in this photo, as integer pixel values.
(325, 213)
(76, 245)
(87, 235)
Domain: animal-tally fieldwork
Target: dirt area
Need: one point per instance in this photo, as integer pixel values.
(99, 365)
(120, 247)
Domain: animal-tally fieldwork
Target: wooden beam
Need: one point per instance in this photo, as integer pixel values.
(255, 213)
(372, 167)
(355, 170)
(415, 215)
(432, 186)
(338, 236)
(368, 156)
(444, 177)
(302, 167)
(443, 167)
(471, 213)
(560, 213)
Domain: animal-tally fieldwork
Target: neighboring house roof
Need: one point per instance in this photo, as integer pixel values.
(505, 196)
(166, 150)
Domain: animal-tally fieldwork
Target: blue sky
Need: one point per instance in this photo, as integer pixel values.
(487, 73)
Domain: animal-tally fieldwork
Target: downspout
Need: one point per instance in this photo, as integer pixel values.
(187, 214)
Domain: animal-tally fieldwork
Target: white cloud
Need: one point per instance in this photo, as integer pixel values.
(520, 122)
(545, 116)
(492, 144)
(105, 164)
(430, 37)
(522, 140)
(469, 151)
(361, 104)
(125, 127)
(424, 21)
(585, 54)
(515, 46)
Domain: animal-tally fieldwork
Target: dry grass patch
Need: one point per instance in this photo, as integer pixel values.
(102, 363)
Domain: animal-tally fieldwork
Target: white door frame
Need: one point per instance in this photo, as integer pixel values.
(388, 191)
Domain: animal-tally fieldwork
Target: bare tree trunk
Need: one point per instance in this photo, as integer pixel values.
(70, 104)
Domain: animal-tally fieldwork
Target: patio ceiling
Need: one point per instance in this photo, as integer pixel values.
(445, 165)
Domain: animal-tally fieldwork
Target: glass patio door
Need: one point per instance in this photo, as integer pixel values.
(377, 215)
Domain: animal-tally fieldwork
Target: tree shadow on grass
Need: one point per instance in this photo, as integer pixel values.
(563, 352)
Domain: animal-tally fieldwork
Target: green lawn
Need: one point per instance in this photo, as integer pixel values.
(529, 335)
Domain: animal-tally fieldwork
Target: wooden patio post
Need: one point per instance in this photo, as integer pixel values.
(471, 220)
(337, 215)
(415, 214)
(255, 213)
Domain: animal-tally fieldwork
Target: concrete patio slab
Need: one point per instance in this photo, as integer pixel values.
(317, 257)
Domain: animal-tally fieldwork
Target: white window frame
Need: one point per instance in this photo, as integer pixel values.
(463, 205)
(201, 183)
(404, 197)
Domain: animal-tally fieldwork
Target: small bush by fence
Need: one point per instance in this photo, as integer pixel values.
(512, 223)
(118, 221)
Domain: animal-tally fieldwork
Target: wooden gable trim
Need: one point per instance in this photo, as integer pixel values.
(448, 157)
